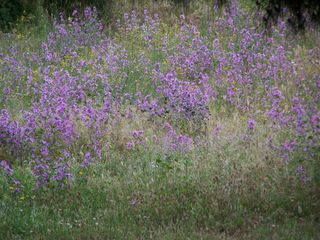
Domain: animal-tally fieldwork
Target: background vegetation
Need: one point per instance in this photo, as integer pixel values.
(299, 12)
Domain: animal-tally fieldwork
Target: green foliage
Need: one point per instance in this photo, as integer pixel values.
(54, 7)
(137, 198)
(10, 10)
(301, 12)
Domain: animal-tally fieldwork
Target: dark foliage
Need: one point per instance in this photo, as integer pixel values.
(300, 11)
(54, 7)
(219, 3)
(10, 10)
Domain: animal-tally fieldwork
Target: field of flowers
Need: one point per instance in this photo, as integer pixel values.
(160, 130)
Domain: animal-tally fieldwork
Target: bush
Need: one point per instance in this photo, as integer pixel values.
(10, 10)
(300, 11)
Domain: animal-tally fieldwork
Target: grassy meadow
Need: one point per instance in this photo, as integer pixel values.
(164, 123)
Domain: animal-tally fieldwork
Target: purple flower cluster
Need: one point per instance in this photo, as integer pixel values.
(73, 91)
(251, 124)
(6, 168)
(176, 142)
(137, 139)
(72, 34)
(8, 171)
(184, 98)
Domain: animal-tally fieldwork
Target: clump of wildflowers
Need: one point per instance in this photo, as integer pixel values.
(75, 88)
(87, 160)
(137, 139)
(251, 124)
(15, 185)
(6, 168)
(176, 142)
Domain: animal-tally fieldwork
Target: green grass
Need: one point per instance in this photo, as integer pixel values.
(224, 191)
(118, 205)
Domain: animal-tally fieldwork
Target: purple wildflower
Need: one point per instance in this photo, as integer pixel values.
(251, 124)
(6, 168)
(130, 145)
(86, 160)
